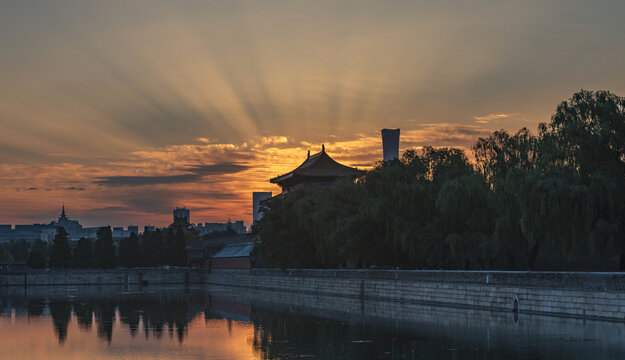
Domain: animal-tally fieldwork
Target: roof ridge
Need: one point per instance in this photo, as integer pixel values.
(320, 164)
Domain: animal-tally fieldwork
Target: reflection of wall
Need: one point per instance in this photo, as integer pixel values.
(293, 317)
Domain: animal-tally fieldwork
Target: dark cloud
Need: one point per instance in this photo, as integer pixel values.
(74, 188)
(146, 180)
(204, 208)
(144, 200)
(196, 172)
(218, 169)
(27, 189)
(108, 209)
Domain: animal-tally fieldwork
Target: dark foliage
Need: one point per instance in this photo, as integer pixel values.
(104, 249)
(179, 248)
(19, 249)
(60, 252)
(130, 251)
(558, 194)
(152, 249)
(38, 254)
(83, 253)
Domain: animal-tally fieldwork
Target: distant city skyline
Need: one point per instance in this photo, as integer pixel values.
(126, 110)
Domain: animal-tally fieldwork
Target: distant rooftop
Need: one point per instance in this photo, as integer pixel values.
(235, 250)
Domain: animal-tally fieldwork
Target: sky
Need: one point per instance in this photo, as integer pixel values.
(124, 110)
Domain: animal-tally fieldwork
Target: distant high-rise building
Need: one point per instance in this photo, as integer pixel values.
(209, 228)
(390, 144)
(119, 232)
(148, 228)
(257, 198)
(181, 216)
(133, 229)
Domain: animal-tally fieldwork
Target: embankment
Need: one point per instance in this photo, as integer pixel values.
(582, 295)
(103, 277)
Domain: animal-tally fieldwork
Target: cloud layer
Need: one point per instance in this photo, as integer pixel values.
(126, 109)
(147, 185)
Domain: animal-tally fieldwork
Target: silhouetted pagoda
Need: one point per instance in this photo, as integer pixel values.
(318, 170)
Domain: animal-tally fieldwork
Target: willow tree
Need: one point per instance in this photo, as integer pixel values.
(60, 252)
(585, 139)
(104, 249)
(504, 161)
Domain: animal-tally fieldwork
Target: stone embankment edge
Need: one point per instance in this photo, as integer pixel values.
(598, 296)
(136, 276)
(581, 295)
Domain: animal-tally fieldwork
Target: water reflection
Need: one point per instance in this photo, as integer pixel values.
(61, 312)
(215, 322)
(153, 311)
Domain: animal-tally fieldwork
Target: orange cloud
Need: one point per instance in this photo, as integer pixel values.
(214, 180)
(485, 119)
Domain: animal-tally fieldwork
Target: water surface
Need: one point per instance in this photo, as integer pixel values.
(206, 322)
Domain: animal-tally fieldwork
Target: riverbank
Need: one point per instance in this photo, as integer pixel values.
(580, 295)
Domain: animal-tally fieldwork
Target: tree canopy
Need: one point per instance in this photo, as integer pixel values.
(557, 195)
(104, 249)
(60, 251)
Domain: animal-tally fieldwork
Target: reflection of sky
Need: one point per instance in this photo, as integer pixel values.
(94, 91)
(34, 338)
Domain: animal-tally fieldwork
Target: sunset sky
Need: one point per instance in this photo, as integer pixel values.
(126, 109)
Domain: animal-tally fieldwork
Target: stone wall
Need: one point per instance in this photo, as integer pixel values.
(582, 295)
(104, 277)
(501, 332)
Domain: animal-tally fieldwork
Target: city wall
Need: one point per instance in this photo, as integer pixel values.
(580, 295)
(103, 277)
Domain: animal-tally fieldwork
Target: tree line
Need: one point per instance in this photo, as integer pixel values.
(556, 196)
(154, 248)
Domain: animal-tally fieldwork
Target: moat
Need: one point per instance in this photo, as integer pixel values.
(211, 322)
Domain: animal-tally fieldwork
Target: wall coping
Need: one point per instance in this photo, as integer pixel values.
(596, 281)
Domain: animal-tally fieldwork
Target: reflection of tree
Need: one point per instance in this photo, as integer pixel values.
(157, 311)
(129, 312)
(61, 312)
(105, 317)
(278, 335)
(173, 312)
(84, 314)
(35, 307)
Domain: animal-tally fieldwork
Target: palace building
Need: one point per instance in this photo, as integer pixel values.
(317, 170)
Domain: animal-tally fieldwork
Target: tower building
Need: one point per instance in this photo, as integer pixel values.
(390, 144)
(181, 216)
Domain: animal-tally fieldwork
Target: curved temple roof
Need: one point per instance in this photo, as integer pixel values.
(319, 165)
